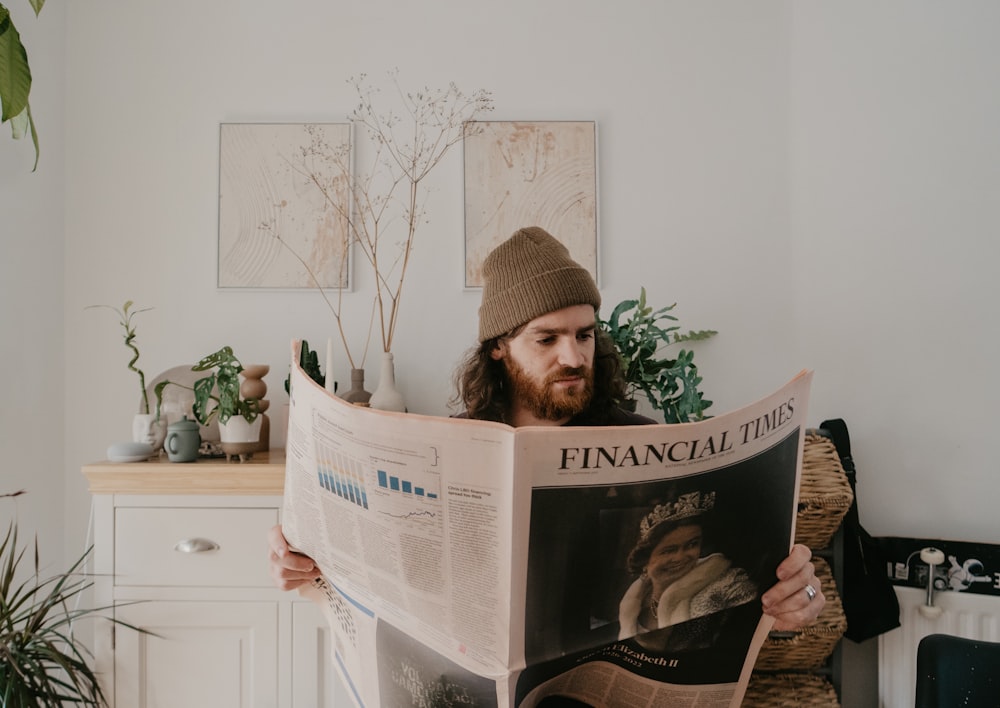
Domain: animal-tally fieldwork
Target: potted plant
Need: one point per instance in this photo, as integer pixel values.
(670, 384)
(146, 427)
(217, 397)
(309, 361)
(41, 661)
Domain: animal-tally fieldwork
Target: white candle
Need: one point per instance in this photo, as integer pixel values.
(329, 383)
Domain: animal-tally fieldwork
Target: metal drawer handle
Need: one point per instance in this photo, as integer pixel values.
(196, 545)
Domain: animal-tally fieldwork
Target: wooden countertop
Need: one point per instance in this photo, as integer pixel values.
(263, 474)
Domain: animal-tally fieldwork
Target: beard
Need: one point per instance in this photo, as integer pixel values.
(542, 399)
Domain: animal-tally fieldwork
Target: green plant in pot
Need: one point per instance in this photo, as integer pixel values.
(217, 397)
(42, 663)
(309, 361)
(146, 427)
(640, 334)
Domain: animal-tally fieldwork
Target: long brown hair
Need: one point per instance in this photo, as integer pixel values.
(484, 390)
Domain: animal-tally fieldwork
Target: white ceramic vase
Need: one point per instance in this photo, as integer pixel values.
(387, 397)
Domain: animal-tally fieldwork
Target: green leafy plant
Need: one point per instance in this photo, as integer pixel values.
(41, 662)
(217, 395)
(670, 384)
(15, 78)
(125, 318)
(309, 361)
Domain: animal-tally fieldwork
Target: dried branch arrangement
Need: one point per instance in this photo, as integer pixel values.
(385, 204)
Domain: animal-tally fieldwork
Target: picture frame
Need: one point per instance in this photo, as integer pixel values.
(530, 173)
(285, 206)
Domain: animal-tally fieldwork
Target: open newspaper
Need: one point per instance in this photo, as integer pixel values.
(469, 563)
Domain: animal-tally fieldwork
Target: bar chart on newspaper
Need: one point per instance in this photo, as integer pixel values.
(400, 484)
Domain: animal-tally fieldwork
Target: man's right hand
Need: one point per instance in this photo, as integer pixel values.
(288, 569)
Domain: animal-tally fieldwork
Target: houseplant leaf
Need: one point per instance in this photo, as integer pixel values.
(41, 662)
(640, 334)
(15, 76)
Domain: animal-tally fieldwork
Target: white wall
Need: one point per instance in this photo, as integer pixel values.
(31, 298)
(816, 181)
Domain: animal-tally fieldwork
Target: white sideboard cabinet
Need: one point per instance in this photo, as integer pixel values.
(180, 551)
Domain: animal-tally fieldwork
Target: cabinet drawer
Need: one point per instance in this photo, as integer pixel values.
(219, 547)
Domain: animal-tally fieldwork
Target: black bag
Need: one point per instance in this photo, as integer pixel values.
(869, 600)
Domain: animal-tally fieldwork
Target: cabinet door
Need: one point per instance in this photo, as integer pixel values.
(218, 654)
(315, 681)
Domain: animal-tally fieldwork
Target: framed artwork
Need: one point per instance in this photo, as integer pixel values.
(284, 205)
(521, 173)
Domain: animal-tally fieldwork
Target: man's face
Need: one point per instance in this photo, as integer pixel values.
(550, 365)
(675, 555)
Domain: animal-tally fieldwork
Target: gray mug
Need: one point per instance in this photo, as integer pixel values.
(183, 441)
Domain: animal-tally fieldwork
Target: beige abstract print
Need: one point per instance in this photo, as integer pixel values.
(276, 223)
(520, 173)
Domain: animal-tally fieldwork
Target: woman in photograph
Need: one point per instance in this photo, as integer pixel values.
(675, 583)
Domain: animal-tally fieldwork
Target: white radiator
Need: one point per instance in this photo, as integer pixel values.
(963, 614)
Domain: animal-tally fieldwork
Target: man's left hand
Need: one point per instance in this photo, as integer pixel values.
(789, 601)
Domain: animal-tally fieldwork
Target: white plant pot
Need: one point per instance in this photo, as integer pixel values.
(238, 430)
(240, 439)
(147, 429)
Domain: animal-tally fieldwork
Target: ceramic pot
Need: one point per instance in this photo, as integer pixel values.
(238, 430)
(357, 393)
(386, 396)
(147, 429)
(238, 438)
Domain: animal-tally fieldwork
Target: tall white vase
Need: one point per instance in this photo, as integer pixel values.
(387, 397)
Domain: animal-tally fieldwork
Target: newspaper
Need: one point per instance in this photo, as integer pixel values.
(470, 563)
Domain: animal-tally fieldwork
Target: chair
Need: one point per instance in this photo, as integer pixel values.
(954, 671)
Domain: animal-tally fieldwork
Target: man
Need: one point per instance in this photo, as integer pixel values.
(542, 361)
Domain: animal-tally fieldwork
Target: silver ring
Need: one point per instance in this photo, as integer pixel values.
(810, 592)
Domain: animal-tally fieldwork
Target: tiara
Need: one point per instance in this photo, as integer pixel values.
(687, 505)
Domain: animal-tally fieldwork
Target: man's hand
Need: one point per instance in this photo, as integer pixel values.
(288, 569)
(788, 601)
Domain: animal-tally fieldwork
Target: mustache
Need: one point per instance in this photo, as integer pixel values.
(567, 372)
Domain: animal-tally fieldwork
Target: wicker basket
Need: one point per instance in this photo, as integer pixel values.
(789, 691)
(809, 647)
(824, 494)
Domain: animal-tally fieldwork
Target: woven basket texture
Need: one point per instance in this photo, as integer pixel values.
(789, 691)
(809, 647)
(824, 493)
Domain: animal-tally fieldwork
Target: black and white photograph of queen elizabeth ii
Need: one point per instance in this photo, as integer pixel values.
(677, 582)
(672, 565)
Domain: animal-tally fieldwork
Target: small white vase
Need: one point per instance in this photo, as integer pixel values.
(147, 429)
(387, 397)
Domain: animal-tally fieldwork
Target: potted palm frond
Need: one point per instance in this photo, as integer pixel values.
(641, 334)
(42, 663)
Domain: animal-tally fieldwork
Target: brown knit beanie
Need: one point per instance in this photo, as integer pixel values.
(526, 276)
